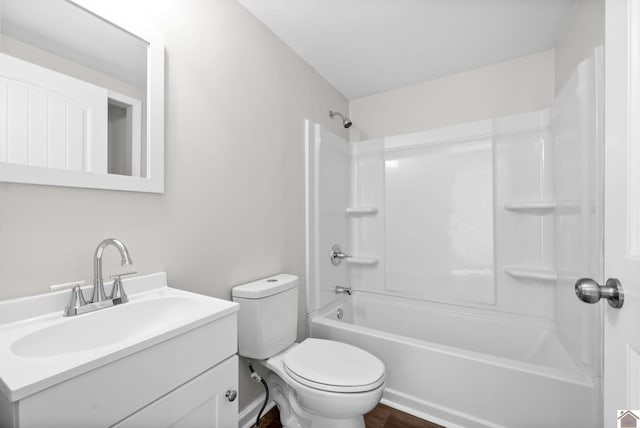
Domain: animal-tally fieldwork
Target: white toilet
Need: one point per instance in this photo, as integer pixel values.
(316, 383)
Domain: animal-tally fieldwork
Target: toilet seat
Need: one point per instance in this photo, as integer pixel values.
(333, 366)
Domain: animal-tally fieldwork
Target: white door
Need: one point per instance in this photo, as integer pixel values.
(622, 207)
(50, 119)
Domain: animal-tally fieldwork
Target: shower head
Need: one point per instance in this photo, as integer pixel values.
(345, 120)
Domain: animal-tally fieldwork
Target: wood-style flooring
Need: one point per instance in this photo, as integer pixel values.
(380, 417)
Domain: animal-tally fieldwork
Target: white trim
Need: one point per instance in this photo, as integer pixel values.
(15, 173)
(633, 129)
(248, 415)
(457, 133)
(472, 131)
(308, 219)
(430, 411)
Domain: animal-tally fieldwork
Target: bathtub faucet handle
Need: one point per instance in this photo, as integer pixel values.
(337, 255)
(343, 290)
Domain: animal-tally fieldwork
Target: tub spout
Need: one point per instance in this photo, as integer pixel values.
(343, 290)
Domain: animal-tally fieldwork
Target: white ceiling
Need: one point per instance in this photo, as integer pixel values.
(367, 46)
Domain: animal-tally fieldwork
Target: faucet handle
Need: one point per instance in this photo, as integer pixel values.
(77, 298)
(67, 285)
(117, 291)
(122, 275)
(337, 255)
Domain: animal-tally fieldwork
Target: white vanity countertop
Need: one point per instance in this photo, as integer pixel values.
(40, 348)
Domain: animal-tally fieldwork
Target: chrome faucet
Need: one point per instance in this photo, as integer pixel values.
(336, 255)
(78, 305)
(343, 290)
(98, 284)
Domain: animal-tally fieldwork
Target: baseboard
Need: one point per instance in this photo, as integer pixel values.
(248, 415)
(432, 412)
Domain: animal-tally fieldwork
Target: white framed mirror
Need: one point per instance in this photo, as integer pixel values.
(81, 96)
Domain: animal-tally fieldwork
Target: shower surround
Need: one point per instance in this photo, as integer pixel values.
(466, 242)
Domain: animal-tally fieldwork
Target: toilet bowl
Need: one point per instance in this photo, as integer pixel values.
(316, 383)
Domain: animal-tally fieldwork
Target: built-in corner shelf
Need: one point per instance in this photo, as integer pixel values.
(570, 207)
(362, 211)
(531, 207)
(355, 260)
(538, 274)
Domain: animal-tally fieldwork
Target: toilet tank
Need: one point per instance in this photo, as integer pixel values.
(268, 316)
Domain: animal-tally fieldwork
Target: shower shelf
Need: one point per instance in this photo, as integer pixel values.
(571, 207)
(532, 207)
(362, 260)
(362, 210)
(539, 274)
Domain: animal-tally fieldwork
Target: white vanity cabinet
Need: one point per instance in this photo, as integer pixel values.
(203, 402)
(167, 385)
(176, 368)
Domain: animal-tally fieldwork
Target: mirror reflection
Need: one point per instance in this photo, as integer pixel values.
(73, 90)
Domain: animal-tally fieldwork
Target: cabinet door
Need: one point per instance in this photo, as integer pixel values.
(201, 402)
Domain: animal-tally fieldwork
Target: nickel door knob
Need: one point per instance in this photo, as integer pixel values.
(590, 291)
(231, 395)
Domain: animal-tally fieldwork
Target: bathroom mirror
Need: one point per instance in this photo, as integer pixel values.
(81, 96)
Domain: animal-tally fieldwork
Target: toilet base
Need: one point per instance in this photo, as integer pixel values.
(293, 415)
(338, 423)
(304, 407)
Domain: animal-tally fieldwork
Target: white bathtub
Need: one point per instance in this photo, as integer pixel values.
(465, 370)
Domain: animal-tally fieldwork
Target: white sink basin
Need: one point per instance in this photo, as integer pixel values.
(105, 327)
(40, 348)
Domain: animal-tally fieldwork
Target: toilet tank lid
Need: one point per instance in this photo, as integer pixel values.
(265, 287)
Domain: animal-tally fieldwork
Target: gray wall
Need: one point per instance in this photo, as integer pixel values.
(233, 210)
(520, 85)
(583, 32)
